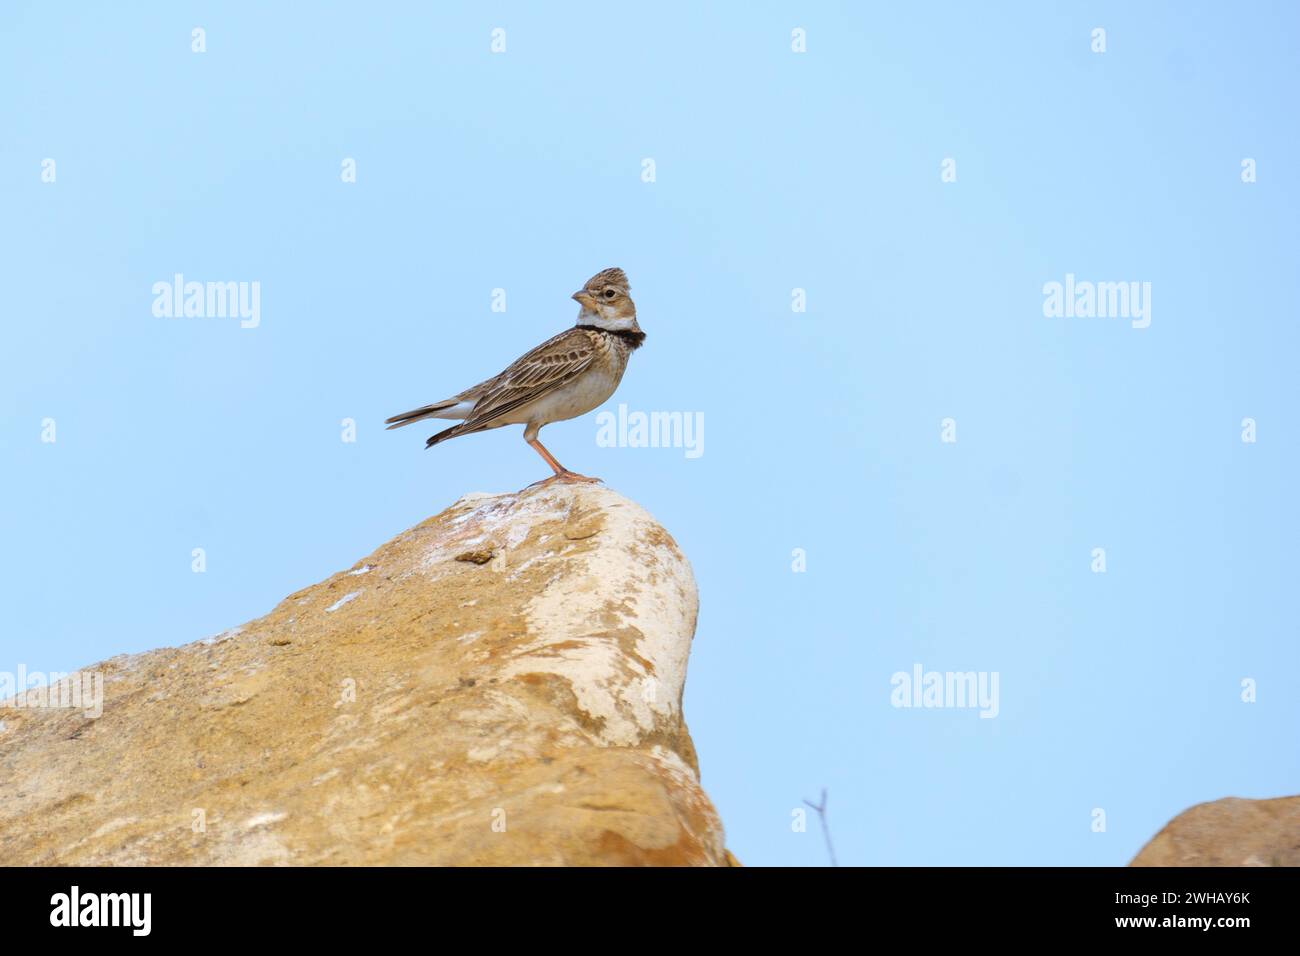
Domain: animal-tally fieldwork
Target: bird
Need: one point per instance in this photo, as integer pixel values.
(566, 376)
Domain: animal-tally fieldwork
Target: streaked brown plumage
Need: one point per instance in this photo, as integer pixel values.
(566, 376)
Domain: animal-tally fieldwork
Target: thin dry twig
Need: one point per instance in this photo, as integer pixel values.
(826, 830)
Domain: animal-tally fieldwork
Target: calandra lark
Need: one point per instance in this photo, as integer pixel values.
(564, 377)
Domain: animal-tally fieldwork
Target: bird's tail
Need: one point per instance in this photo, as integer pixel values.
(461, 429)
(451, 408)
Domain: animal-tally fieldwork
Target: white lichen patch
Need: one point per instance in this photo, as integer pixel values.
(672, 762)
(263, 819)
(489, 751)
(528, 563)
(632, 585)
(507, 519)
(223, 636)
(114, 824)
(342, 601)
(364, 569)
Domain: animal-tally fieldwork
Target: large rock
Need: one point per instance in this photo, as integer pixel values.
(501, 684)
(1229, 832)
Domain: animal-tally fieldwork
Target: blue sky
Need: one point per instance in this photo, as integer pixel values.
(774, 170)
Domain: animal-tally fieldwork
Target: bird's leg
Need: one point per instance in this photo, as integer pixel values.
(561, 473)
(550, 459)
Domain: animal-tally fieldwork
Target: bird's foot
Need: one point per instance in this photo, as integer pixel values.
(564, 477)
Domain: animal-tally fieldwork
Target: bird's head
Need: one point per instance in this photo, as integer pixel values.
(606, 302)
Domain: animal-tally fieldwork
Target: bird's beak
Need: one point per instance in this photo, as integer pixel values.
(583, 297)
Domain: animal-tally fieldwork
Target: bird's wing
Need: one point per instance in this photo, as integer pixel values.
(547, 367)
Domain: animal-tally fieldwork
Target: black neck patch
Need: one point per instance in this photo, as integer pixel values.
(633, 339)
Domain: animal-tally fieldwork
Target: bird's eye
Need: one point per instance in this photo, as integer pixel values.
(610, 293)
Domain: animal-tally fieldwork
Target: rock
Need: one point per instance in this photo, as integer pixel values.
(422, 708)
(1229, 832)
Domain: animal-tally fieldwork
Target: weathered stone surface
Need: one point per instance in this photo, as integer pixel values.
(1229, 832)
(499, 685)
